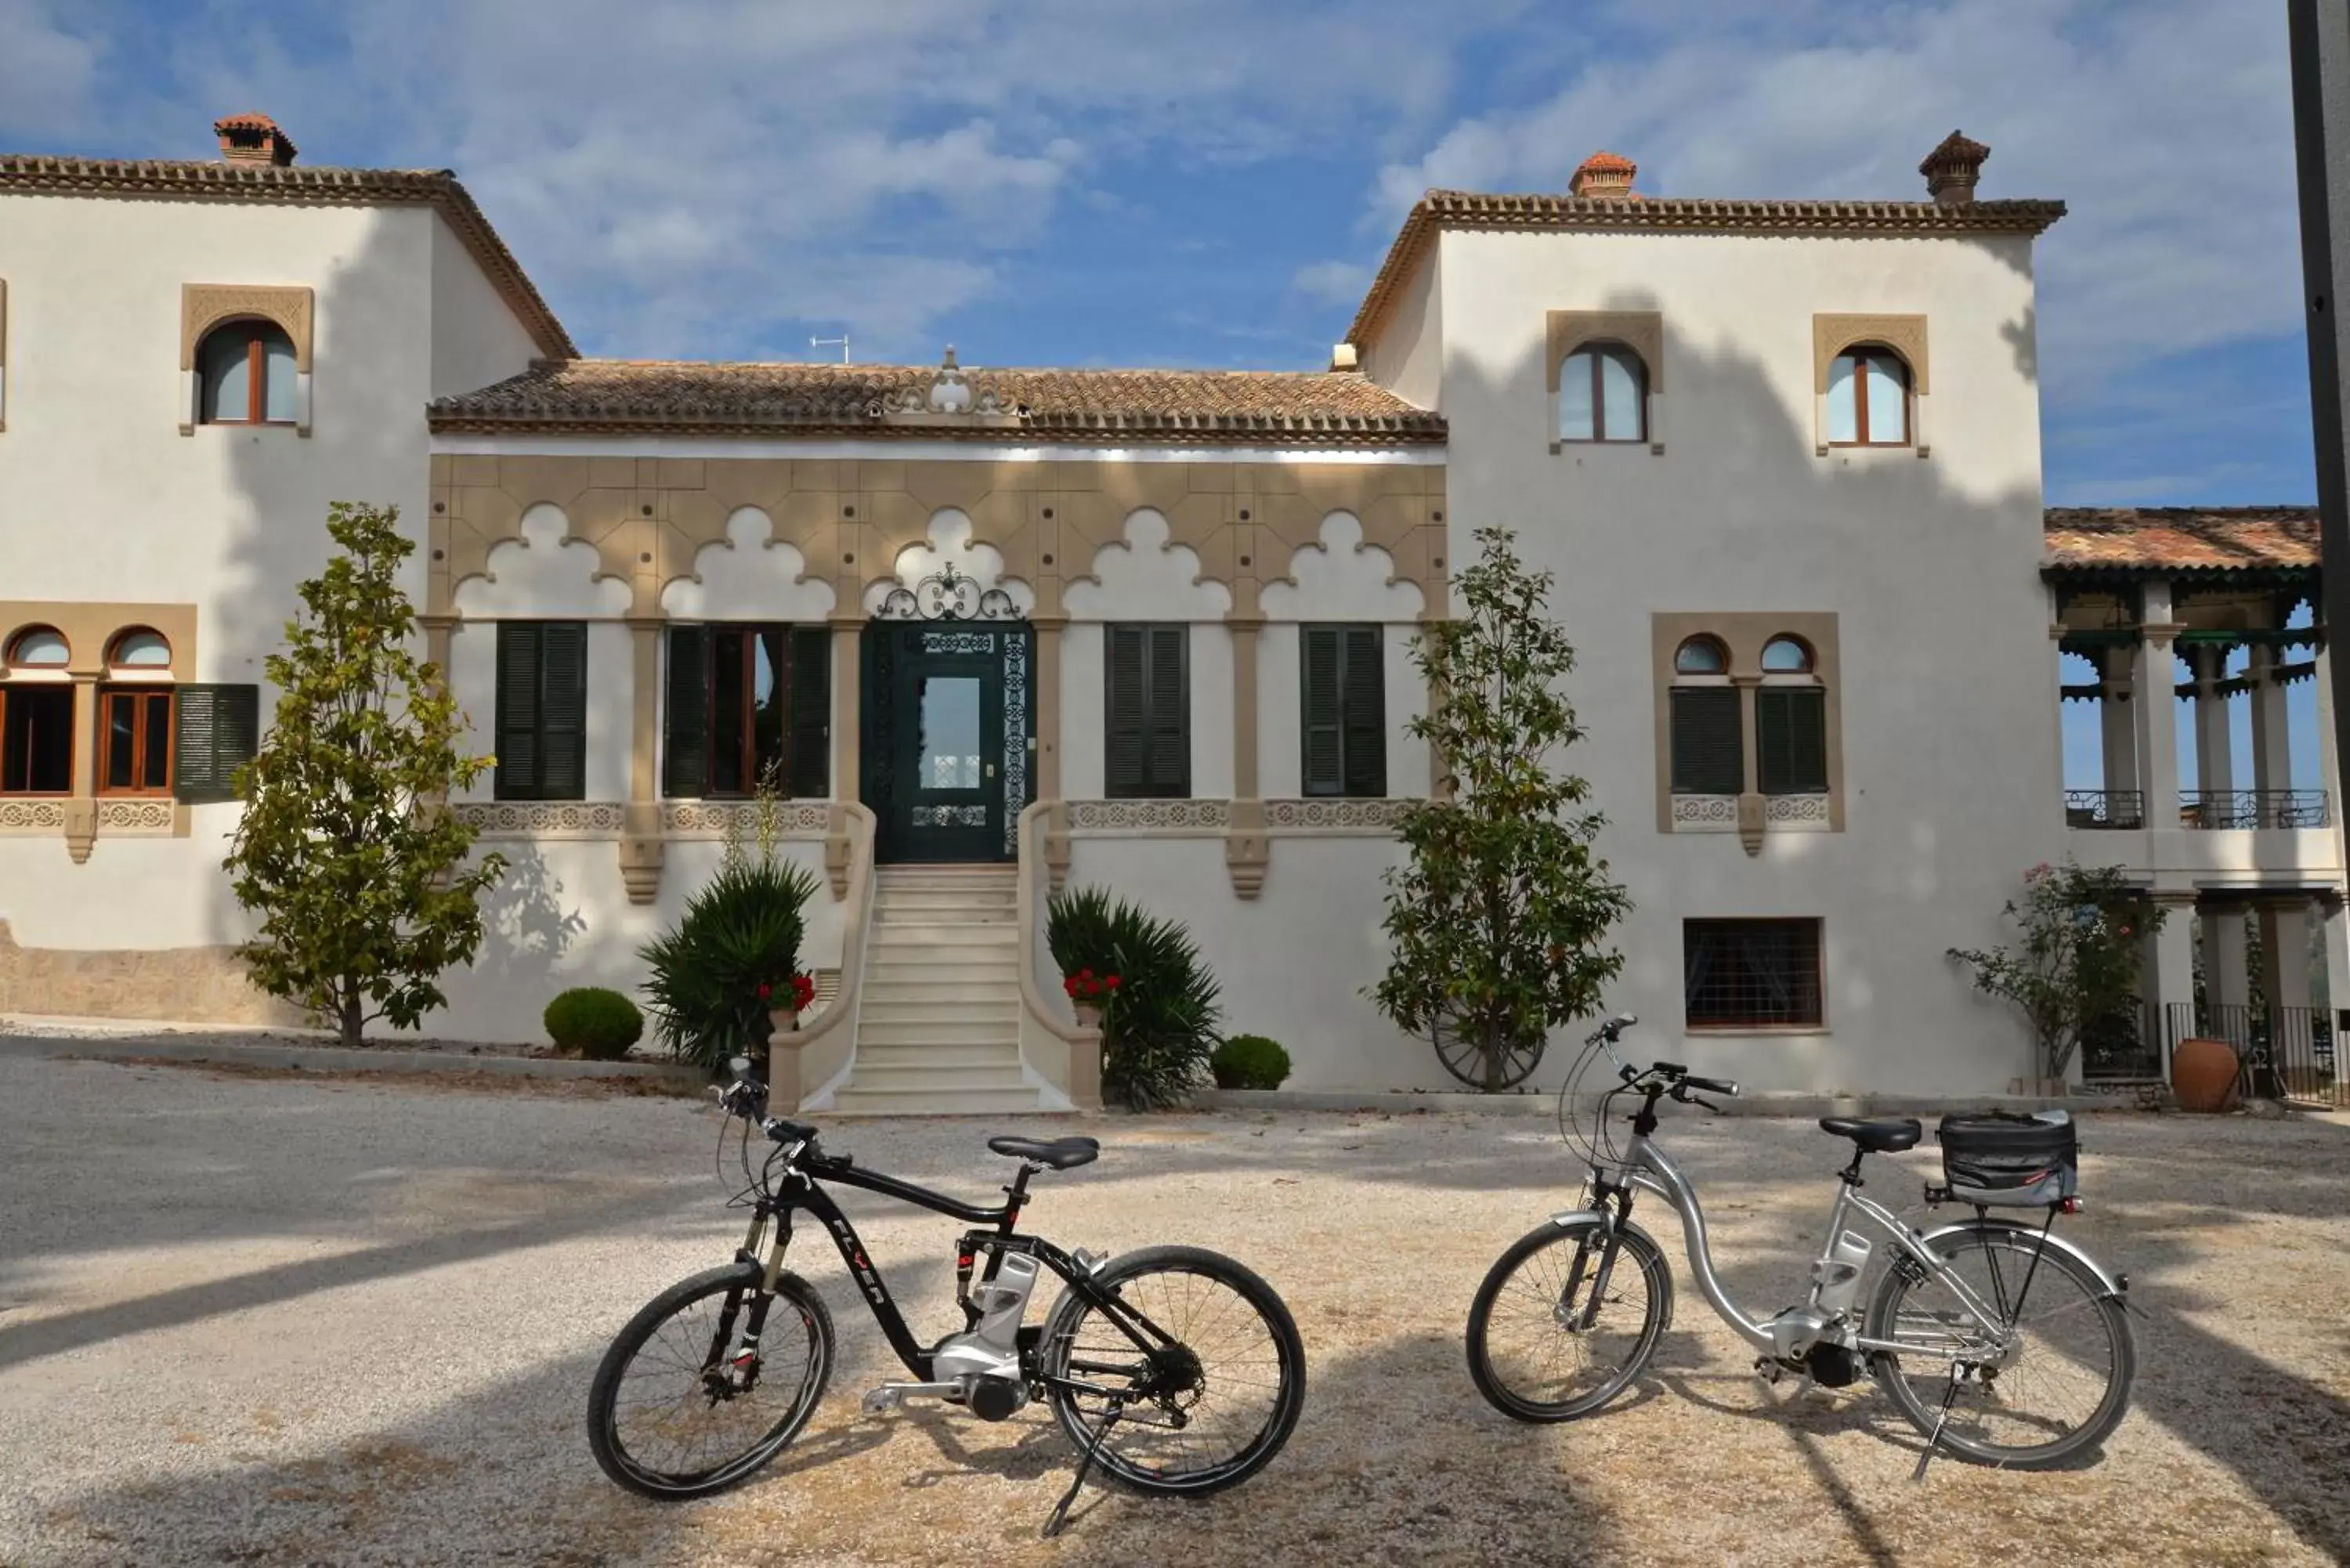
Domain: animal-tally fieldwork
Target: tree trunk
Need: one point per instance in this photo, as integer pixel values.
(352, 1019)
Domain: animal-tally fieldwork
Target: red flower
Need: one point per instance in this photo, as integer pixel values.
(1084, 974)
(1111, 983)
(765, 990)
(1069, 983)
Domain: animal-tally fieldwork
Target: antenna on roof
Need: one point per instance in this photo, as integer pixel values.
(827, 342)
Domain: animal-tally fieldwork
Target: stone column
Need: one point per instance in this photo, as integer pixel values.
(2156, 682)
(2114, 712)
(2329, 759)
(2168, 984)
(2271, 738)
(2215, 763)
(81, 809)
(2336, 937)
(2284, 951)
(1048, 760)
(2226, 981)
(847, 729)
(1246, 847)
(641, 850)
(1750, 798)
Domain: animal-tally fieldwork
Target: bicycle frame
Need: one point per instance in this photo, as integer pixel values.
(1649, 1168)
(800, 1192)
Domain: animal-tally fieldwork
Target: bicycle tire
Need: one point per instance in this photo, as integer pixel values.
(2095, 1305)
(1585, 1233)
(1060, 1328)
(792, 1294)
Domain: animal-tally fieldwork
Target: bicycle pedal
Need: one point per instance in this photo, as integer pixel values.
(882, 1398)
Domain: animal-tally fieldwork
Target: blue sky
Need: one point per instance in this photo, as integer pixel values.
(1208, 183)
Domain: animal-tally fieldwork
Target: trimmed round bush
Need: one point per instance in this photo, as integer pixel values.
(599, 1024)
(1249, 1062)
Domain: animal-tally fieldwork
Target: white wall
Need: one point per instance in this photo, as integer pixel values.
(476, 340)
(1408, 356)
(1950, 769)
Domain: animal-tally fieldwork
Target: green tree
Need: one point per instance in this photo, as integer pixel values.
(1499, 919)
(345, 850)
(2076, 967)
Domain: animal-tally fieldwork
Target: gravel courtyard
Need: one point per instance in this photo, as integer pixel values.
(257, 1320)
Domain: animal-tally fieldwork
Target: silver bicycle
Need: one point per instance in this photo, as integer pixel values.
(2002, 1342)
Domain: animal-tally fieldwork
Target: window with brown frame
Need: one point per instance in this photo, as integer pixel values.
(1750, 974)
(1868, 398)
(134, 741)
(246, 370)
(1603, 395)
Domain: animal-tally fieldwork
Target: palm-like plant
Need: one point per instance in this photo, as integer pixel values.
(1159, 1026)
(740, 933)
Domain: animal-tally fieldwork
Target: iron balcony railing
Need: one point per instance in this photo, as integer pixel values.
(2288, 1053)
(2116, 808)
(2236, 808)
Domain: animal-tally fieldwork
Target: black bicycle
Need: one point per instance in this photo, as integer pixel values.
(1176, 1370)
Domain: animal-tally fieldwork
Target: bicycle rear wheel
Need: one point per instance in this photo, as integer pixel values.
(682, 1406)
(1197, 1415)
(1565, 1321)
(2044, 1387)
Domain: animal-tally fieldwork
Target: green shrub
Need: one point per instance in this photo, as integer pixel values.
(1159, 1025)
(597, 1024)
(1249, 1062)
(740, 932)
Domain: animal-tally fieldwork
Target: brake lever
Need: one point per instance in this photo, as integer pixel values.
(1708, 1105)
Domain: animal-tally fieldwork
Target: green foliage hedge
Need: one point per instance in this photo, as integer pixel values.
(741, 931)
(1249, 1062)
(1159, 1025)
(599, 1024)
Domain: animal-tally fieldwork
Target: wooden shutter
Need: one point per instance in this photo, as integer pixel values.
(1364, 689)
(1126, 726)
(519, 753)
(563, 710)
(1168, 765)
(1708, 740)
(808, 769)
(685, 742)
(218, 730)
(1790, 740)
(1322, 713)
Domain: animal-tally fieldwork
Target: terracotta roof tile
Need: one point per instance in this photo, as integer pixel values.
(2182, 539)
(1440, 209)
(1312, 408)
(28, 174)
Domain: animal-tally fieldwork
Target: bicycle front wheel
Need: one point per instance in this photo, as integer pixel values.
(685, 1404)
(2042, 1384)
(1566, 1319)
(1206, 1388)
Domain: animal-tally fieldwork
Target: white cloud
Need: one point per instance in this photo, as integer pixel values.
(1336, 282)
(46, 72)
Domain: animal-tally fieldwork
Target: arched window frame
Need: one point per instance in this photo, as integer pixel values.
(1640, 332)
(13, 652)
(206, 308)
(1703, 644)
(1806, 672)
(1864, 384)
(261, 369)
(1587, 363)
(1787, 739)
(117, 668)
(1904, 337)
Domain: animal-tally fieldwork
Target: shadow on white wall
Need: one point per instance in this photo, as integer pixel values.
(545, 575)
(1341, 579)
(751, 576)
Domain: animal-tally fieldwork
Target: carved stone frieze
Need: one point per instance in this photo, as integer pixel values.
(542, 819)
(32, 815)
(1148, 816)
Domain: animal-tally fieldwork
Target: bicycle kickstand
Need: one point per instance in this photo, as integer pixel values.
(1060, 1517)
(1934, 1439)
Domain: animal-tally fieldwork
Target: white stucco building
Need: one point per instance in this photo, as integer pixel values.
(995, 631)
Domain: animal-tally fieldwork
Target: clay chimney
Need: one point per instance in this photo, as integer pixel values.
(252, 139)
(1603, 176)
(1952, 168)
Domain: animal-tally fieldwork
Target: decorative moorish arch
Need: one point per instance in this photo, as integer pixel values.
(651, 519)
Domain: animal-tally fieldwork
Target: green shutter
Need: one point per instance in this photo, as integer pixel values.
(1364, 686)
(218, 730)
(517, 724)
(1126, 725)
(1708, 740)
(563, 710)
(809, 768)
(1792, 740)
(685, 745)
(1170, 717)
(1322, 714)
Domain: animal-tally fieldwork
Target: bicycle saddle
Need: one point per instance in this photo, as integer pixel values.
(1059, 1153)
(1890, 1136)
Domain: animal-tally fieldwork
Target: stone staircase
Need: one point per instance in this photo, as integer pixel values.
(938, 1031)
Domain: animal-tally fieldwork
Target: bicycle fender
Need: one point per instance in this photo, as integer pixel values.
(2116, 1286)
(1566, 1217)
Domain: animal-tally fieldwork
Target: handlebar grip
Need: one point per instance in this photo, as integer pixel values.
(1712, 1085)
(782, 1129)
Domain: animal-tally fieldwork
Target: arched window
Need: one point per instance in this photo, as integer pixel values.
(1786, 656)
(1603, 395)
(140, 651)
(247, 374)
(38, 648)
(1868, 398)
(1708, 730)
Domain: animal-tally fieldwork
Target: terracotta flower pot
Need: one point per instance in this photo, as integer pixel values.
(2203, 1074)
(1089, 1014)
(785, 1020)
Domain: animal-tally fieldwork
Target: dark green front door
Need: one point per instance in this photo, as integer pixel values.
(946, 738)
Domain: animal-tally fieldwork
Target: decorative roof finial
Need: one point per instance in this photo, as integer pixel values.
(1604, 176)
(1952, 168)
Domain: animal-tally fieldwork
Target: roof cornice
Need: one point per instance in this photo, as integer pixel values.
(156, 179)
(1440, 209)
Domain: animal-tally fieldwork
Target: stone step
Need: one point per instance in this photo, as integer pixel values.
(1000, 940)
(868, 1080)
(986, 984)
(931, 893)
(970, 915)
(855, 1102)
(991, 879)
(1005, 1032)
(872, 1056)
(891, 1007)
